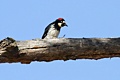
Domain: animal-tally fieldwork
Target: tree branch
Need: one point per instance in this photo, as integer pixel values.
(58, 49)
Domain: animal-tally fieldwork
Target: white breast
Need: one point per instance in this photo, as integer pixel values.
(52, 33)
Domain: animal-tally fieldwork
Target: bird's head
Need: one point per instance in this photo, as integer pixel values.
(61, 22)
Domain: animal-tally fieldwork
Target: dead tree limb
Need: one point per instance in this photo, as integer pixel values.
(58, 49)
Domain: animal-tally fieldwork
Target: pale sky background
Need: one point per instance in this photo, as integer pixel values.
(26, 19)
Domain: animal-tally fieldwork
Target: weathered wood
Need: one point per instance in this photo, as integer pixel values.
(58, 49)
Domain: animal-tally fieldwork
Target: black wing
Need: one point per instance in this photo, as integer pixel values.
(46, 30)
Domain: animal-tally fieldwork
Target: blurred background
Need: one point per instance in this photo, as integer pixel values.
(27, 19)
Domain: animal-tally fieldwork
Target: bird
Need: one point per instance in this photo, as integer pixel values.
(53, 29)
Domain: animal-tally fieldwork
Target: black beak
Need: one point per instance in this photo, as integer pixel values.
(65, 24)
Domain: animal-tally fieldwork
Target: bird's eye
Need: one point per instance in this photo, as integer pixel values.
(61, 21)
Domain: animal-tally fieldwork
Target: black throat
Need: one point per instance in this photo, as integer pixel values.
(57, 27)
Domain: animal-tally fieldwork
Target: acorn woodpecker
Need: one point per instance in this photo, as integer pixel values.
(53, 29)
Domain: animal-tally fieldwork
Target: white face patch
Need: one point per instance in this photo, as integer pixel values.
(60, 24)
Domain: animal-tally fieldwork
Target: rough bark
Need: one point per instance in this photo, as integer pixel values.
(58, 49)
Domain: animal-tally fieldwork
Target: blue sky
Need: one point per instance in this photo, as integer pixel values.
(26, 19)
